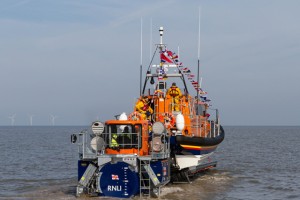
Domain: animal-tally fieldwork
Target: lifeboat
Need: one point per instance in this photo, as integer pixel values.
(170, 135)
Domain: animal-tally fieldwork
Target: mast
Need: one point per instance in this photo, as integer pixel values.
(141, 66)
(161, 46)
(198, 70)
(150, 40)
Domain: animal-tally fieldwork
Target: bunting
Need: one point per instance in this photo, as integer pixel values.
(161, 71)
(171, 57)
(165, 57)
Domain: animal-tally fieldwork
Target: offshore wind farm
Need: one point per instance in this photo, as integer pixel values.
(14, 120)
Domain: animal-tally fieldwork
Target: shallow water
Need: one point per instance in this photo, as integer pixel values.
(253, 163)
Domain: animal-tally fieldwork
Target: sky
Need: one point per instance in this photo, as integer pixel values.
(79, 60)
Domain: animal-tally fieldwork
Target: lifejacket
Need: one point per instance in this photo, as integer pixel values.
(145, 108)
(173, 91)
(114, 142)
(140, 106)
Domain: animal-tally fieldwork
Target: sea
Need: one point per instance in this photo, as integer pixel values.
(254, 162)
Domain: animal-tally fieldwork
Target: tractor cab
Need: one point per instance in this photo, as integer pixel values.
(123, 138)
(126, 137)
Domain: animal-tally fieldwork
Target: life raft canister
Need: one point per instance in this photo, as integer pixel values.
(180, 122)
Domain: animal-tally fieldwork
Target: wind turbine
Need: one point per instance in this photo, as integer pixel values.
(12, 118)
(30, 119)
(52, 118)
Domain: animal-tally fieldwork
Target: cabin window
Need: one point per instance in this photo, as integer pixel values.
(138, 131)
(162, 85)
(123, 136)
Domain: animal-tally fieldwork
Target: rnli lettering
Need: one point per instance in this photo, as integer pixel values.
(114, 188)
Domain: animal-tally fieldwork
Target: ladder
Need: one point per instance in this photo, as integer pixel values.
(149, 183)
(145, 182)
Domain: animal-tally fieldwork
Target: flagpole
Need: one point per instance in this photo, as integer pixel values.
(141, 66)
(150, 55)
(199, 36)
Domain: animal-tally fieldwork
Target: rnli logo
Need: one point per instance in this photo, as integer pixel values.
(114, 188)
(114, 177)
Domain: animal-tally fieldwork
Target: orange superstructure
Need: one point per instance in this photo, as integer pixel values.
(195, 125)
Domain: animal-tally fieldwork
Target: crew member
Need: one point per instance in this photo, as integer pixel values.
(113, 143)
(144, 108)
(175, 93)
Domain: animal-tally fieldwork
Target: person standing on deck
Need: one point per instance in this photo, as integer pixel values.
(144, 108)
(175, 93)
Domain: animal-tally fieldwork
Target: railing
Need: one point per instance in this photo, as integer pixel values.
(215, 124)
(84, 149)
(203, 127)
(91, 145)
(124, 140)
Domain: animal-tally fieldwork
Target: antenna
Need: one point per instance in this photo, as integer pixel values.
(161, 32)
(12, 118)
(30, 119)
(141, 66)
(141, 41)
(150, 39)
(199, 33)
(198, 71)
(52, 119)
